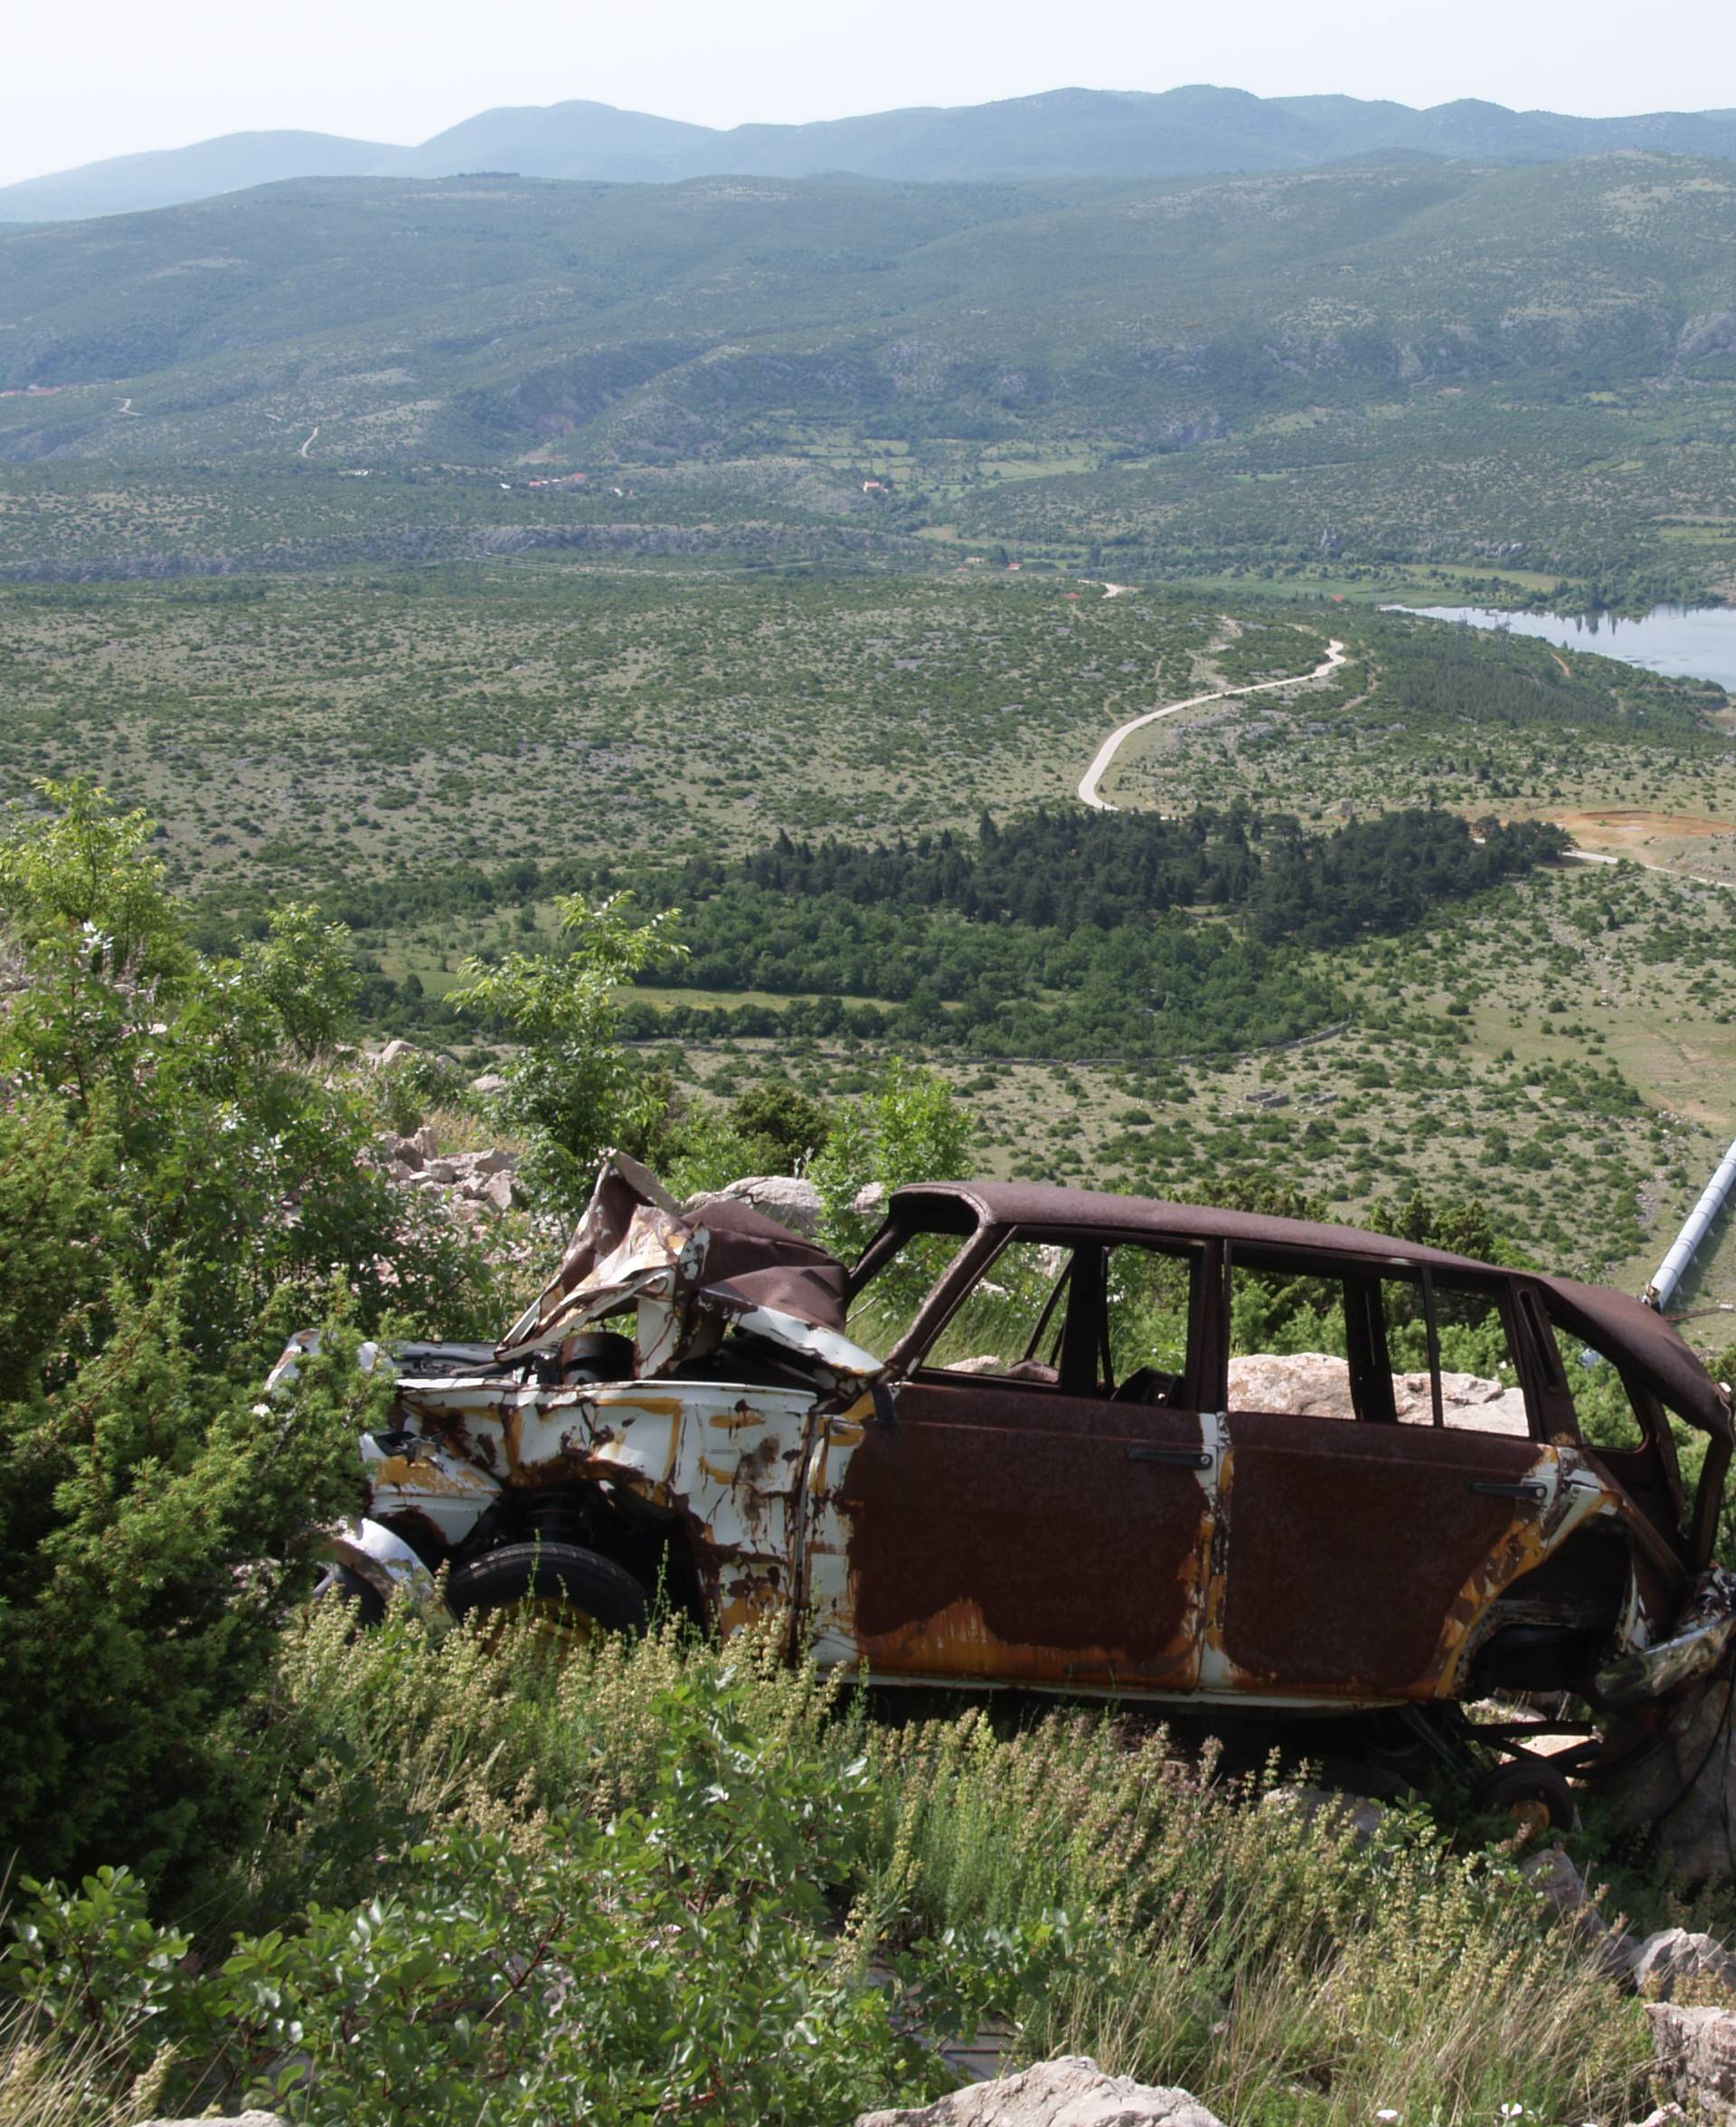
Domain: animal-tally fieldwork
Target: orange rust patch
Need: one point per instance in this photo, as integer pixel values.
(735, 1421)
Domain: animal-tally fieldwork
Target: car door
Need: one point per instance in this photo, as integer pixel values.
(1002, 1518)
(1363, 1537)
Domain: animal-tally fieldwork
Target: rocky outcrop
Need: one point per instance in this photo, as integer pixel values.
(1696, 2054)
(1315, 1384)
(792, 1202)
(470, 1184)
(1073, 2091)
(1682, 1786)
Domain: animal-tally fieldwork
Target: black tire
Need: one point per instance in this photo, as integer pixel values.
(578, 1592)
(1528, 1790)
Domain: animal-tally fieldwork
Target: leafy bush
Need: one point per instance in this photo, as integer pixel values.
(178, 1191)
(913, 1129)
(571, 1090)
(674, 1956)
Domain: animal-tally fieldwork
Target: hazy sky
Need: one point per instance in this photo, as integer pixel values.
(113, 76)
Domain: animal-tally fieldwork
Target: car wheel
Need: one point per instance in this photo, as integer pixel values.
(346, 1585)
(569, 1595)
(1533, 1793)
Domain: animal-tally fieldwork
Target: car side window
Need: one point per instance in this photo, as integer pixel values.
(1385, 1346)
(1605, 1404)
(1012, 1321)
(1150, 1300)
(887, 1303)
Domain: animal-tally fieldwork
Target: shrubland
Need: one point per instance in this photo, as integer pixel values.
(418, 1874)
(667, 1877)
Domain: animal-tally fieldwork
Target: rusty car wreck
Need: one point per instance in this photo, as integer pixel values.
(1062, 1478)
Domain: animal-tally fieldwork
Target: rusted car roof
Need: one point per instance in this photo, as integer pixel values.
(1637, 1332)
(1040, 1204)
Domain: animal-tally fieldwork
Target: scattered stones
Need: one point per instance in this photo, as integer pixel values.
(1696, 2051)
(471, 1185)
(1073, 2091)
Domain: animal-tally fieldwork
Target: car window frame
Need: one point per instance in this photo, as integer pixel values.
(1336, 1263)
(978, 1259)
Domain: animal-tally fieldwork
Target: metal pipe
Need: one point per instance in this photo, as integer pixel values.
(1673, 1268)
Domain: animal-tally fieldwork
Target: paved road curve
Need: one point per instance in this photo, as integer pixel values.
(1106, 753)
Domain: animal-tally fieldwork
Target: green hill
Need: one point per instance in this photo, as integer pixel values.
(1012, 352)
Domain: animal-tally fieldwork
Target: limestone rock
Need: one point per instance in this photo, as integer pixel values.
(870, 1200)
(1696, 2050)
(792, 1202)
(1663, 1960)
(1364, 1816)
(232, 2119)
(1073, 2091)
(395, 1052)
(497, 1189)
(490, 1083)
(1556, 1877)
(1316, 1384)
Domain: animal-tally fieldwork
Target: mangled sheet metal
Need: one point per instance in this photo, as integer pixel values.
(693, 1277)
(1698, 1641)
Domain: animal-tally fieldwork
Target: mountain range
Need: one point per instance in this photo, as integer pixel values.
(1065, 133)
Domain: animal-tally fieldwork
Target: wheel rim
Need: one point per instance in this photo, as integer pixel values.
(1532, 1815)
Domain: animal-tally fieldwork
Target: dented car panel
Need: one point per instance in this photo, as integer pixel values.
(992, 1519)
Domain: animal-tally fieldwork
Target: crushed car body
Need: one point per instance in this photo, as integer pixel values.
(1067, 1472)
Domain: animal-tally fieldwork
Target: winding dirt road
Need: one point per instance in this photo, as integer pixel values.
(1107, 752)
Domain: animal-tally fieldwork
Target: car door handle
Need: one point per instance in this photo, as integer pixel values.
(1182, 1458)
(1529, 1488)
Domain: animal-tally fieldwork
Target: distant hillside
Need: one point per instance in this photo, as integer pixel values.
(480, 317)
(133, 183)
(1066, 133)
(1408, 358)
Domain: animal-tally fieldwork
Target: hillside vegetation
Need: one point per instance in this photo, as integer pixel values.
(1526, 367)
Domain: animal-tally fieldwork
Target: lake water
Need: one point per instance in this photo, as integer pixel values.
(1689, 642)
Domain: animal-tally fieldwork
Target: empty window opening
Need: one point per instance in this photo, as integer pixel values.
(1394, 1348)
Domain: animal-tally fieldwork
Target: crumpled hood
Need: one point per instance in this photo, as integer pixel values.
(725, 1266)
